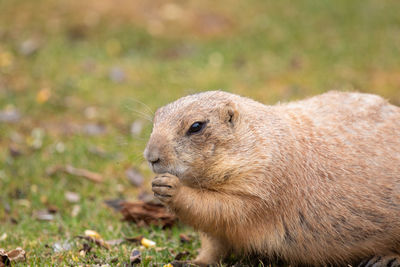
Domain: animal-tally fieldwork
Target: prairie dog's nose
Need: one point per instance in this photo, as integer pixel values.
(152, 153)
(154, 159)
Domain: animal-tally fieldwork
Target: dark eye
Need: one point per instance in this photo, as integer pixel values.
(196, 127)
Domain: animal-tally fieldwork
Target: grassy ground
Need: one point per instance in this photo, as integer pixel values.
(67, 66)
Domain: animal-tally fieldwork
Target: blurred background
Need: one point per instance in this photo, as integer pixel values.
(79, 81)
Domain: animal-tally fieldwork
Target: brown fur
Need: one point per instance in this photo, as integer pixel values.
(313, 182)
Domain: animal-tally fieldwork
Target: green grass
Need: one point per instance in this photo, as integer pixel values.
(269, 50)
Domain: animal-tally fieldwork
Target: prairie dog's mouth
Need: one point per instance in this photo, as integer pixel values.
(157, 168)
(178, 171)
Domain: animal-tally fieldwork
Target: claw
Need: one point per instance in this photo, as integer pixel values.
(159, 195)
(160, 185)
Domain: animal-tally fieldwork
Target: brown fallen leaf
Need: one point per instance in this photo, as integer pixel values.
(115, 204)
(15, 255)
(94, 237)
(143, 213)
(135, 239)
(92, 176)
(135, 257)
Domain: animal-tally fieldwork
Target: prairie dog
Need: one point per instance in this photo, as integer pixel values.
(313, 182)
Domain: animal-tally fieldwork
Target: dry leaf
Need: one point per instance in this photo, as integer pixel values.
(115, 204)
(94, 237)
(143, 213)
(92, 176)
(135, 257)
(136, 239)
(15, 255)
(72, 197)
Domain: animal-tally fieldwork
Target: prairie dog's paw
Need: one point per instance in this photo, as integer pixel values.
(165, 187)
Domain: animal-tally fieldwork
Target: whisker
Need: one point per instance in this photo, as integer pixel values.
(143, 115)
(140, 102)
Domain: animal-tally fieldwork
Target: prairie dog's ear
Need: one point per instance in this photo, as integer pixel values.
(229, 113)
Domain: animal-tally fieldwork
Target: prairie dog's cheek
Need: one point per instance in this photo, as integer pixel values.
(207, 151)
(211, 149)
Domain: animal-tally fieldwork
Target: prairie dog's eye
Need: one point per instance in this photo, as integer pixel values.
(196, 127)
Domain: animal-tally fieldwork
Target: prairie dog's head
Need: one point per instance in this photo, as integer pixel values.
(192, 137)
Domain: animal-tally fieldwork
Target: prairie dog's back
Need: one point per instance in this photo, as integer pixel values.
(348, 111)
(364, 126)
